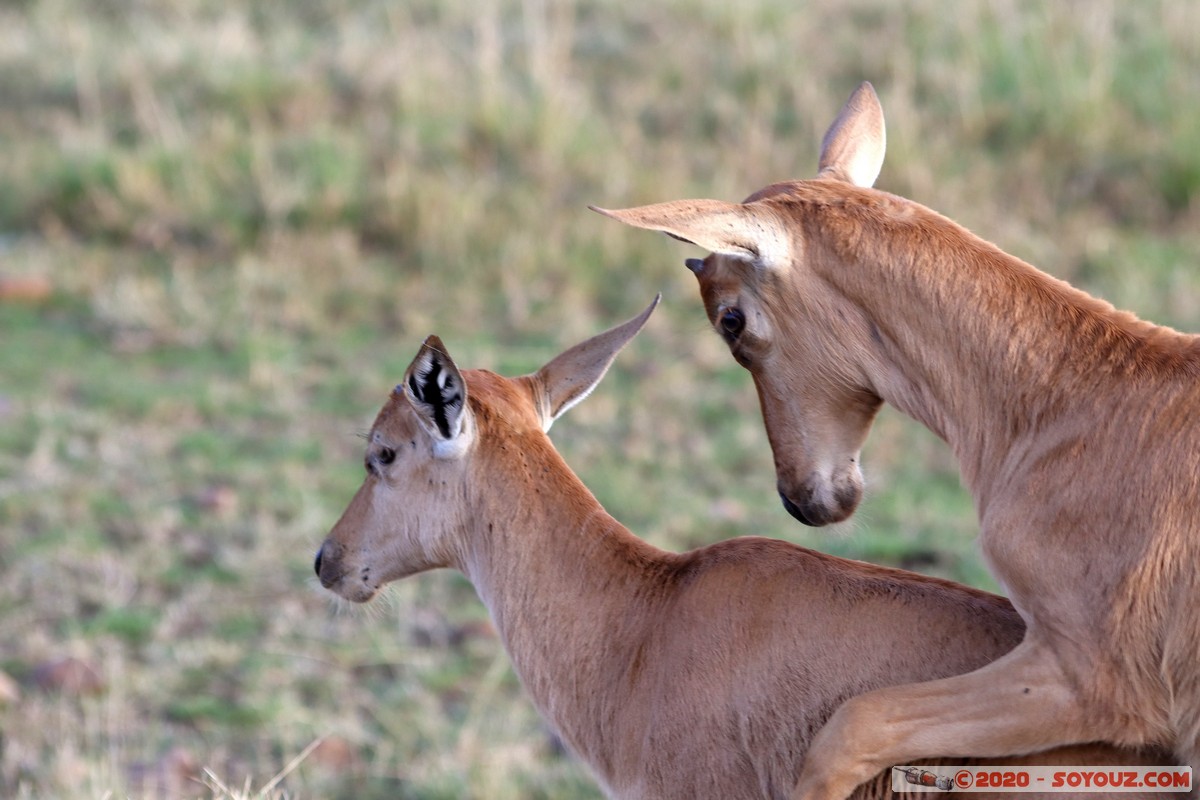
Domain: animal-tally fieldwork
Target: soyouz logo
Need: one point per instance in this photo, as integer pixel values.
(1041, 779)
(916, 776)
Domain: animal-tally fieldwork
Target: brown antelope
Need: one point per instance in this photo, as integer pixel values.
(1075, 427)
(694, 675)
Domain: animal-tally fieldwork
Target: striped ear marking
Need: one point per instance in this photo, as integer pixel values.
(437, 389)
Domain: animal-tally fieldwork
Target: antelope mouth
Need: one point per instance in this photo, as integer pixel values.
(797, 512)
(333, 575)
(809, 510)
(364, 595)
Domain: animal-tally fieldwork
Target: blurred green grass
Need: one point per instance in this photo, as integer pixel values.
(249, 215)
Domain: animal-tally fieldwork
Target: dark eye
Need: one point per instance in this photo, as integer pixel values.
(732, 322)
(387, 455)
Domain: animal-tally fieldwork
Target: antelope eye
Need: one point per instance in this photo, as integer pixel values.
(732, 321)
(387, 455)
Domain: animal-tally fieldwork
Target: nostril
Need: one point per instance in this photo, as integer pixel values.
(796, 511)
(317, 561)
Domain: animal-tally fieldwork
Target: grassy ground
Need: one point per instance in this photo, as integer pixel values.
(225, 228)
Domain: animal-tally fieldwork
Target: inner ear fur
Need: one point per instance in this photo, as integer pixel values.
(746, 231)
(436, 389)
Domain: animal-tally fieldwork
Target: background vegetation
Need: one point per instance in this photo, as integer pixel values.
(225, 228)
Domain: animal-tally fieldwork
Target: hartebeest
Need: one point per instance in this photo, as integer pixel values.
(1076, 427)
(690, 676)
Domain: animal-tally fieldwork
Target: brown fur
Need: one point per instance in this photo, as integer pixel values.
(1075, 426)
(672, 675)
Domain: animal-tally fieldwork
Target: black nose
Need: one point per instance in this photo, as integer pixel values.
(791, 508)
(317, 561)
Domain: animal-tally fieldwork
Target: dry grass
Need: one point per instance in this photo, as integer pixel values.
(249, 216)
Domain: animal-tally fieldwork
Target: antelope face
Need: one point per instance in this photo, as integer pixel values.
(404, 517)
(767, 291)
(814, 405)
(434, 461)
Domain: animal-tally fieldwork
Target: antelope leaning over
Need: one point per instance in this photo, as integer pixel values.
(695, 675)
(1075, 427)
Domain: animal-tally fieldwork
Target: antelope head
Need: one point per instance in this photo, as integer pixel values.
(766, 291)
(433, 451)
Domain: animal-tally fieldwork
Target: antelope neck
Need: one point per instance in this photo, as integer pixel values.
(567, 586)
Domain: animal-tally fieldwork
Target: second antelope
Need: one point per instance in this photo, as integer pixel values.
(1075, 427)
(696, 675)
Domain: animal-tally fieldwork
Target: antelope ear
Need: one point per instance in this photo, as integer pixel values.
(436, 390)
(853, 147)
(745, 231)
(572, 375)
